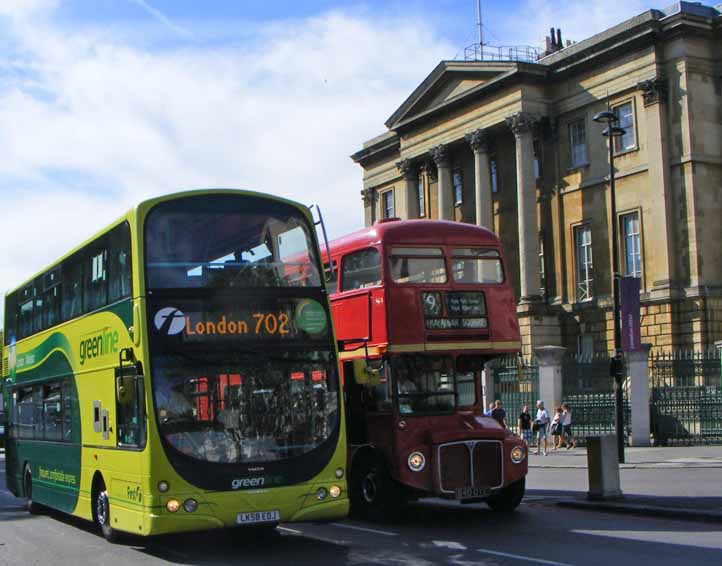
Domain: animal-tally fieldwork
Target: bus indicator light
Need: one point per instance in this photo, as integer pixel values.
(173, 505)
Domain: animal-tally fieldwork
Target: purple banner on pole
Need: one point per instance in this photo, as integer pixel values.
(631, 327)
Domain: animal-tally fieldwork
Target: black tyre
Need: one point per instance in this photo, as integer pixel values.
(508, 498)
(30, 504)
(374, 493)
(102, 513)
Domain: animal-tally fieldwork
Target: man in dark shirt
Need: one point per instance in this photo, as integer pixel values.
(499, 414)
(525, 424)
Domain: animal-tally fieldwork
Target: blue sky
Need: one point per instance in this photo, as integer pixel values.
(106, 102)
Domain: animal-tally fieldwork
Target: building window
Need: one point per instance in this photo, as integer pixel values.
(387, 201)
(537, 153)
(420, 196)
(458, 186)
(585, 266)
(494, 176)
(578, 143)
(585, 348)
(542, 270)
(625, 117)
(631, 244)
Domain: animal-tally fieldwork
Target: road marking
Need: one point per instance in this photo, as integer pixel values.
(287, 530)
(450, 544)
(375, 531)
(519, 557)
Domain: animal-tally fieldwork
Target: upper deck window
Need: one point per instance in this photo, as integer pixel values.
(361, 269)
(474, 265)
(224, 241)
(417, 265)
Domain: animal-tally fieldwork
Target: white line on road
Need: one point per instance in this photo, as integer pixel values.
(519, 557)
(375, 531)
(449, 544)
(287, 530)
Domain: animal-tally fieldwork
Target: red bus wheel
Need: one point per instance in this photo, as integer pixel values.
(509, 497)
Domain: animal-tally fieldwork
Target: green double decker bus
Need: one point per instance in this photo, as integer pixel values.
(178, 372)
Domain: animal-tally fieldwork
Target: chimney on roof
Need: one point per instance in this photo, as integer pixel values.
(560, 45)
(553, 42)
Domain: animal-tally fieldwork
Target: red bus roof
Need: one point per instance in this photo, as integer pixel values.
(428, 232)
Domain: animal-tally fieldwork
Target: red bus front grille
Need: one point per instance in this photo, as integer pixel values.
(474, 463)
(454, 466)
(487, 464)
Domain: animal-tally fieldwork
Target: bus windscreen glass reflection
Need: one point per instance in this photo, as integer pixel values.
(225, 241)
(258, 409)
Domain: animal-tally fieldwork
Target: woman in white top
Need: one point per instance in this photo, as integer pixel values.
(567, 427)
(542, 422)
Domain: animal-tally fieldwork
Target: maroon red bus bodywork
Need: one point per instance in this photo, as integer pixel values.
(467, 455)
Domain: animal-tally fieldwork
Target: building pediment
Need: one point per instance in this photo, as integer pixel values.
(449, 82)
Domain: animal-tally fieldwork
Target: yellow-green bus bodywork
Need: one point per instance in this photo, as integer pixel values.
(63, 473)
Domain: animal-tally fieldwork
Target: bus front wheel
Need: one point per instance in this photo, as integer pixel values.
(509, 497)
(30, 505)
(101, 513)
(374, 494)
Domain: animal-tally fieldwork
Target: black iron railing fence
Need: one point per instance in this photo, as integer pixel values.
(686, 397)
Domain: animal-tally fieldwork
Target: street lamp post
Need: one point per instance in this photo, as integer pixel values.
(616, 366)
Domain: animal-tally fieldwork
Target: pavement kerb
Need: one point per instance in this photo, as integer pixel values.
(646, 510)
(658, 466)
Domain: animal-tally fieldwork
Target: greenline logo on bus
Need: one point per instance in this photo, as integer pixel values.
(103, 343)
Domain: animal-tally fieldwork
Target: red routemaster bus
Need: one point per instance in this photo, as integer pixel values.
(419, 307)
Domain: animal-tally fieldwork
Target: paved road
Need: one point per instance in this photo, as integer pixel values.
(430, 533)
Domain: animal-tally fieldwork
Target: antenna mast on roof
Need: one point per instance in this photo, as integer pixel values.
(478, 23)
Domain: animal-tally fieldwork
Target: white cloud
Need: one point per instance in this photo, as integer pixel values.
(90, 125)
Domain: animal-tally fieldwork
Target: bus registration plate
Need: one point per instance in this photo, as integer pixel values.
(471, 492)
(258, 517)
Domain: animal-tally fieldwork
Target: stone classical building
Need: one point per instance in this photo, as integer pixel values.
(511, 145)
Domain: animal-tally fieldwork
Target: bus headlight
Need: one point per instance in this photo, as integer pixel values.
(416, 461)
(518, 454)
(321, 493)
(163, 486)
(190, 505)
(339, 473)
(173, 505)
(334, 491)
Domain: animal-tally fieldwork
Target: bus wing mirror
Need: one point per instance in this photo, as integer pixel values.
(360, 372)
(125, 389)
(365, 375)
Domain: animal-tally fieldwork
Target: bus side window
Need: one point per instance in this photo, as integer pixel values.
(380, 394)
(119, 263)
(96, 278)
(72, 288)
(361, 269)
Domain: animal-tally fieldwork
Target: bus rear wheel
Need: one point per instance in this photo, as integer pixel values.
(374, 493)
(508, 498)
(101, 512)
(30, 505)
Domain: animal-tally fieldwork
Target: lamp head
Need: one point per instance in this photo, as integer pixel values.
(605, 117)
(615, 131)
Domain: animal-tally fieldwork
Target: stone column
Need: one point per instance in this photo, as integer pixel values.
(638, 363)
(440, 155)
(550, 376)
(409, 198)
(487, 385)
(662, 214)
(482, 178)
(521, 125)
(369, 206)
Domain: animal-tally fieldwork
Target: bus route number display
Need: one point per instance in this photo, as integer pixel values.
(308, 316)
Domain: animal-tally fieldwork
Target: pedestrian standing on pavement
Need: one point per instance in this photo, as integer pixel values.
(568, 436)
(498, 413)
(524, 424)
(541, 422)
(556, 429)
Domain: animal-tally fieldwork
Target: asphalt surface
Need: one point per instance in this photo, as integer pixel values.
(433, 532)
